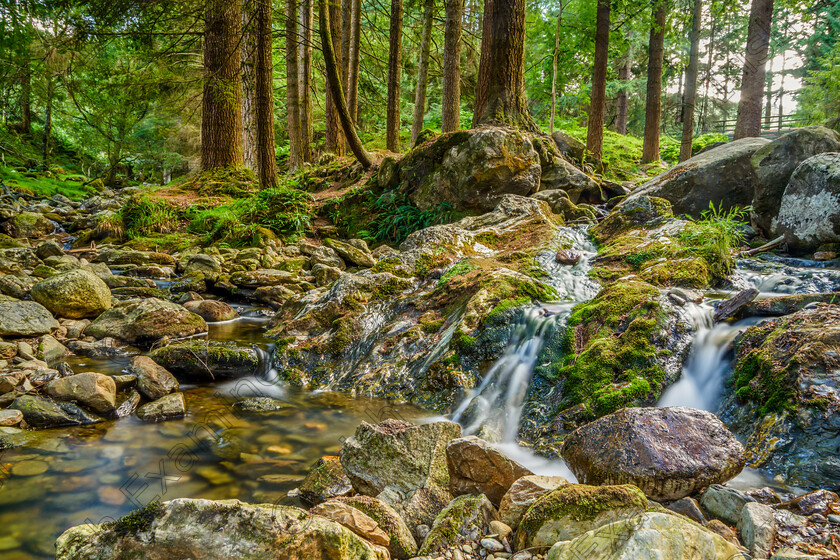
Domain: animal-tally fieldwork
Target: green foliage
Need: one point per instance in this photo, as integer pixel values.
(143, 215)
(820, 98)
(397, 217)
(715, 236)
(670, 147)
(460, 268)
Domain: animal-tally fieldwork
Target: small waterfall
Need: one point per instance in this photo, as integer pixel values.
(495, 407)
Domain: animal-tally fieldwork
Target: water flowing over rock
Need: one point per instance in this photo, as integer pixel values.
(76, 294)
(669, 453)
(223, 530)
(146, 321)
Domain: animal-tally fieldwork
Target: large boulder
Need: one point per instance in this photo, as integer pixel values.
(399, 455)
(523, 494)
(29, 225)
(574, 509)
(775, 162)
(24, 318)
(402, 544)
(650, 536)
(476, 467)
(560, 174)
(200, 360)
(216, 530)
(90, 389)
(669, 453)
(810, 209)
(146, 321)
(45, 413)
(471, 170)
(723, 175)
(75, 295)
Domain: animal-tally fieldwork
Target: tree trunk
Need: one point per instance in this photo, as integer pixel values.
(266, 159)
(221, 119)
(595, 128)
(334, 140)
(554, 70)
(45, 144)
(26, 100)
(451, 94)
(353, 78)
(500, 92)
(422, 72)
(705, 116)
(624, 78)
(768, 98)
(392, 118)
(249, 47)
(653, 109)
(755, 62)
(305, 79)
(292, 92)
(334, 85)
(690, 99)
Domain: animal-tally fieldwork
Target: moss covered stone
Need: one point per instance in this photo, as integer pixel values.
(466, 518)
(327, 480)
(200, 360)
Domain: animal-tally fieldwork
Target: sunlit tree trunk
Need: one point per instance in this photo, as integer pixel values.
(221, 119)
(305, 79)
(554, 70)
(423, 71)
(392, 118)
(45, 144)
(595, 127)
(292, 92)
(755, 67)
(334, 141)
(690, 99)
(653, 104)
(451, 94)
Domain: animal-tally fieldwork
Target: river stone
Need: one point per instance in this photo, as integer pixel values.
(758, 529)
(263, 277)
(560, 174)
(775, 162)
(353, 519)
(351, 254)
(203, 264)
(523, 493)
(146, 321)
(466, 519)
(75, 295)
(724, 503)
(398, 454)
(810, 207)
(471, 170)
(165, 408)
(212, 311)
(418, 508)
(24, 318)
(93, 390)
(650, 536)
(50, 350)
(216, 530)
(29, 225)
(325, 481)
(44, 413)
(723, 175)
(325, 275)
(573, 509)
(153, 380)
(327, 257)
(476, 467)
(10, 417)
(669, 452)
(690, 508)
(201, 360)
(401, 544)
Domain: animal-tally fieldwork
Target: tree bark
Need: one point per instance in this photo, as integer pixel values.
(624, 78)
(248, 49)
(334, 140)
(500, 93)
(45, 144)
(221, 119)
(690, 99)
(704, 117)
(392, 118)
(266, 159)
(334, 85)
(292, 92)
(653, 108)
(423, 71)
(353, 78)
(595, 127)
(26, 100)
(451, 94)
(305, 79)
(554, 70)
(755, 63)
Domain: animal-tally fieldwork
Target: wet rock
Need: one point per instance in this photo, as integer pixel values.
(399, 455)
(353, 519)
(146, 321)
(567, 257)
(351, 254)
(723, 176)
(212, 311)
(127, 404)
(690, 508)
(263, 277)
(326, 481)
(650, 536)
(24, 318)
(200, 360)
(778, 306)
(813, 502)
(560, 174)
(471, 170)
(669, 453)
(165, 408)
(401, 542)
(29, 225)
(573, 509)
(205, 265)
(261, 405)
(465, 519)
(129, 256)
(10, 417)
(93, 390)
(523, 493)
(733, 305)
(418, 507)
(221, 530)
(724, 503)
(153, 381)
(758, 529)
(44, 413)
(810, 207)
(476, 467)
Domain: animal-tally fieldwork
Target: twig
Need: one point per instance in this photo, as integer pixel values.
(766, 247)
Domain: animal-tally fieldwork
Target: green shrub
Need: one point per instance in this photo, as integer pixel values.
(143, 215)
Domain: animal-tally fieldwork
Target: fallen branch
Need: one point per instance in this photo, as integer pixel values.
(766, 247)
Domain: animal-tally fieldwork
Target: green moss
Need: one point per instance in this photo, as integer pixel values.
(391, 265)
(431, 327)
(505, 305)
(427, 262)
(488, 238)
(462, 341)
(460, 268)
(389, 288)
(136, 522)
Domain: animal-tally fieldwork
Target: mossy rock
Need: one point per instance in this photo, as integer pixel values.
(642, 211)
(466, 519)
(207, 361)
(326, 481)
(402, 545)
(146, 321)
